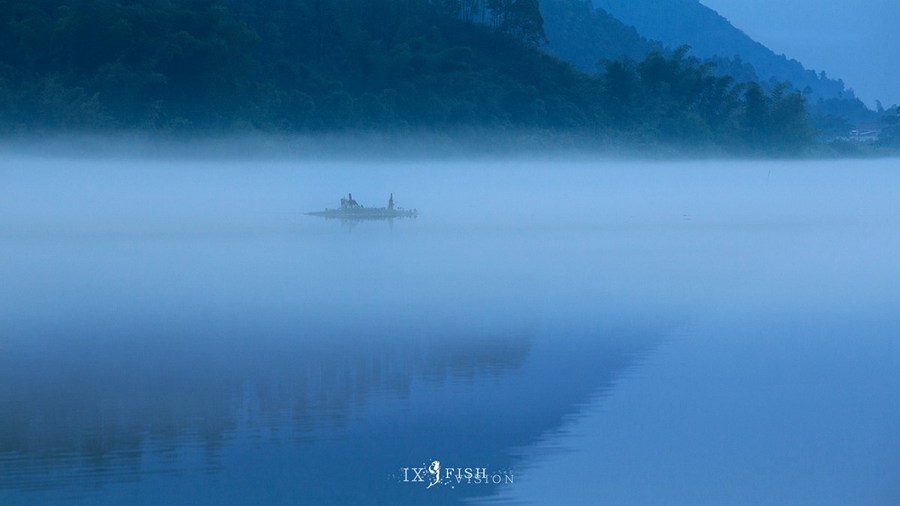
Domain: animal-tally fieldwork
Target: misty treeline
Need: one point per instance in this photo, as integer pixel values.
(331, 65)
(890, 126)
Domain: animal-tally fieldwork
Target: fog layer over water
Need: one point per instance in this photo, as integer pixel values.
(179, 332)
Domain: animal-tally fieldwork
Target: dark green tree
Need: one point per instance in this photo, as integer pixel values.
(520, 18)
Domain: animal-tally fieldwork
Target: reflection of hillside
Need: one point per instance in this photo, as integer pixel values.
(88, 414)
(105, 411)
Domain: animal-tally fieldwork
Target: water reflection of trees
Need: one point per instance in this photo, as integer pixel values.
(102, 410)
(79, 414)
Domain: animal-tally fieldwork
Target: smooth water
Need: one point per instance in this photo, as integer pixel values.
(581, 331)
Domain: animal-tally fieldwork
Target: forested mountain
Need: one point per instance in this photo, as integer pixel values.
(581, 34)
(677, 22)
(278, 64)
(587, 31)
(584, 34)
(331, 65)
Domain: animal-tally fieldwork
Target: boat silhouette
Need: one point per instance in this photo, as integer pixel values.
(350, 209)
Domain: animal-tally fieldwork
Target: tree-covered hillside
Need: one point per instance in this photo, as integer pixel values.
(278, 64)
(677, 22)
(584, 36)
(327, 65)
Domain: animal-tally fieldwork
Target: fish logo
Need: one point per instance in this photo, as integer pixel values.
(435, 470)
(436, 473)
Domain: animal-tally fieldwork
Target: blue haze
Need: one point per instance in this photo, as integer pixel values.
(176, 330)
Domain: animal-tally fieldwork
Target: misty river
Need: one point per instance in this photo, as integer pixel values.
(556, 330)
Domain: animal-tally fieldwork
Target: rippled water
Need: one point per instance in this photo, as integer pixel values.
(179, 332)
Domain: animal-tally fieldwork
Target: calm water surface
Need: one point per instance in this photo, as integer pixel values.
(605, 332)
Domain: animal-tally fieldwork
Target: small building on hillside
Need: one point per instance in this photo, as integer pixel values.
(866, 132)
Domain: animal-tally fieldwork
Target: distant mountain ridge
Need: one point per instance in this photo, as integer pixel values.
(588, 32)
(677, 22)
